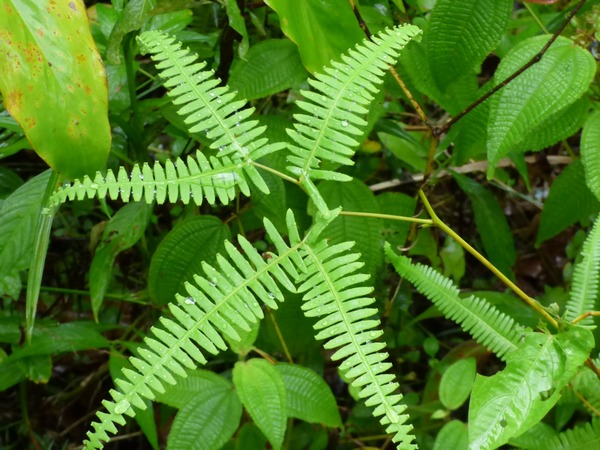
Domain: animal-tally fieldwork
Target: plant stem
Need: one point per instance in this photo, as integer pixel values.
(388, 217)
(276, 172)
(535, 17)
(517, 290)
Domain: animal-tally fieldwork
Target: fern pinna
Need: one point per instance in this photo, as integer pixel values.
(227, 298)
(218, 303)
(487, 325)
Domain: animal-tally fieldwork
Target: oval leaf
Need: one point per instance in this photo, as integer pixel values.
(180, 255)
(549, 86)
(308, 396)
(261, 389)
(54, 84)
(206, 422)
(512, 401)
(456, 383)
(322, 30)
(271, 66)
(461, 34)
(590, 153)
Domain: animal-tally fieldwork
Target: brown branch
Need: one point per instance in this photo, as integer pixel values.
(536, 58)
(408, 94)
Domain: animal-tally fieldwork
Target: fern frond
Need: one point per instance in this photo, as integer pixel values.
(334, 292)
(217, 304)
(194, 180)
(485, 323)
(207, 107)
(336, 109)
(580, 437)
(584, 290)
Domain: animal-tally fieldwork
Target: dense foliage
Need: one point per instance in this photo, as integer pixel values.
(294, 225)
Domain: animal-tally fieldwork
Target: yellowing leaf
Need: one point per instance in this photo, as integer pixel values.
(53, 83)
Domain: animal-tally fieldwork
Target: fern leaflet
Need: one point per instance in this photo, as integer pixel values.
(585, 279)
(194, 180)
(485, 323)
(342, 98)
(333, 292)
(216, 304)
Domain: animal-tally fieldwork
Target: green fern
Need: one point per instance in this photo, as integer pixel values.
(585, 279)
(335, 111)
(335, 292)
(581, 437)
(194, 180)
(486, 324)
(207, 108)
(218, 303)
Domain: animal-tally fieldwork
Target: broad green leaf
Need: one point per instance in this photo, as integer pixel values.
(590, 152)
(52, 65)
(545, 89)
(18, 220)
(568, 202)
(197, 381)
(271, 66)
(456, 383)
(556, 127)
(322, 30)
(495, 233)
(262, 392)
(308, 396)
(131, 19)
(452, 436)
(207, 421)
(584, 290)
(512, 401)
(122, 232)
(461, 34)
(366, 232)
(180, 255)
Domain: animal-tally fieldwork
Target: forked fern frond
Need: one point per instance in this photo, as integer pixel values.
(337, 109)
(484, 322)
(194, 180)
(334, 292)
(584, 290)
(217, 304)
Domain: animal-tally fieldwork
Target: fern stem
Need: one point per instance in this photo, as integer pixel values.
(585, 316)
(464, 244)
(388, 217)
(280, 336)
(536, 18)
(276, 172)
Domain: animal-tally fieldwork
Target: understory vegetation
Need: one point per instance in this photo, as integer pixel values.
(299, 225)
